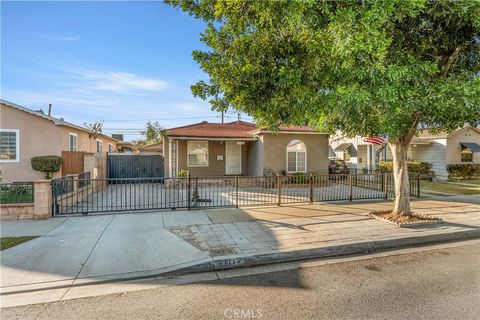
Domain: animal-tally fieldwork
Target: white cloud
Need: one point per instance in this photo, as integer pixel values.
(66, 37)
(121, 81)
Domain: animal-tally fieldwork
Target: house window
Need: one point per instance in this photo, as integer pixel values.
(72, 142)
(99, 146)
(9, 145)
(197, 153)
(111, 148)
(296, 156)
(466, 155)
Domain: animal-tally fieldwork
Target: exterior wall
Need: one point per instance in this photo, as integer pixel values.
(39, 137)
(255, 158)
(453, 145)
(434, 153)
(215, 167)
(275, 151)
(16, 211)
(362, 156)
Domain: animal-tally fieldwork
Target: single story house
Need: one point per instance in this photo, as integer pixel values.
(156, 148)
(442, 149)
(26, 133)
(241, 148)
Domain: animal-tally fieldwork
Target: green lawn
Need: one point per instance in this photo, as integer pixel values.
(9, 242)
(463, 188)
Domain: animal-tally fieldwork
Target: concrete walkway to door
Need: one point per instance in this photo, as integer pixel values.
(81, 250)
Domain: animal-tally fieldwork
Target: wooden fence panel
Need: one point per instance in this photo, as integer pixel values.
(72, 162)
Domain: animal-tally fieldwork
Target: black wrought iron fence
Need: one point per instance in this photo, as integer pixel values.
(83, 195)
(18, 192)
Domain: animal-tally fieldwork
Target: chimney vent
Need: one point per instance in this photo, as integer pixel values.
(49, 109)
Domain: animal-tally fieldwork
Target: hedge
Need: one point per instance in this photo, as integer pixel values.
(464, 170)
(414, 166)
(46, 164)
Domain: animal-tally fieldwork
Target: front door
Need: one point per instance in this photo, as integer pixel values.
(233, 163)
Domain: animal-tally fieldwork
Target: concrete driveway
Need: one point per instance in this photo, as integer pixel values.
(93, 247)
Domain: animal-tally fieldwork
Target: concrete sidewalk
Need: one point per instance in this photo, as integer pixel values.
(80, 250)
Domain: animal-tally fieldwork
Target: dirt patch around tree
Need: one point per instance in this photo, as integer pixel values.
(413, 220)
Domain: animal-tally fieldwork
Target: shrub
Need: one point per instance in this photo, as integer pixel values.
(424, 169)
(298, 177)
(47, 164)
(182, 173)
(464, 170)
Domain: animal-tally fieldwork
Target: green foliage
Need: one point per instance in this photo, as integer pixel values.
(153, 133)
(363, 67)
(47, 164)
(298, 177)
(414, 166)
(16, 193)
(465, 171)
(182, 173)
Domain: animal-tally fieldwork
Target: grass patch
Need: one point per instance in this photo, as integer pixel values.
(9, 242)
(450, 187)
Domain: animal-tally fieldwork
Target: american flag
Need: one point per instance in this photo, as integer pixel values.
(374, 140)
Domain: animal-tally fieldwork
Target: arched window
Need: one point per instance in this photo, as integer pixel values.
(296, 156)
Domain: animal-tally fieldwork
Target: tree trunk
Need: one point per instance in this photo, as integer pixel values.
(400, 176)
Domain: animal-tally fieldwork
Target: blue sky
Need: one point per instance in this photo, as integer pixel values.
(119, 62)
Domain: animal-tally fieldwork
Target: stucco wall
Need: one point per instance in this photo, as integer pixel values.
(453, 145)
(255, 158)
(38, 137)
(275, 151)
(215, 167)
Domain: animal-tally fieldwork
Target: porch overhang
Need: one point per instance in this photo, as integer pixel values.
(341, 147)
(213, 138)
(475, 147)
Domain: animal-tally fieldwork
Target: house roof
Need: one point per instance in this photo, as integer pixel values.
(156, 147)
(231, 130)
(56, 121)
(204, 129)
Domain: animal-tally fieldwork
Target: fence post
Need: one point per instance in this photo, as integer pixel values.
(236, 192)
(311, 188)
(279, 182)
(351, 186)
(385, 188)
(418, 185)
(189, 195)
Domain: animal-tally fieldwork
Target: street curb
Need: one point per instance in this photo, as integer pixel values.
(222, 263)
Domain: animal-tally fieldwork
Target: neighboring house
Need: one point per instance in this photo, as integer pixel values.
(27, 133)
(240, 148)
(156, 148)
(460, 146)
(355, 151)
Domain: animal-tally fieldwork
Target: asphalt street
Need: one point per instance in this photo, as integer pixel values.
(435, 284)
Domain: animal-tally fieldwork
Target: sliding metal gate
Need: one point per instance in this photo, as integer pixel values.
(72, 195)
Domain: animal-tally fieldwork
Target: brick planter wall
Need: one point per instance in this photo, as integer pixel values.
(16, 211)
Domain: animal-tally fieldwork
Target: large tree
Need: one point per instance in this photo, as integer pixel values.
(363, 67)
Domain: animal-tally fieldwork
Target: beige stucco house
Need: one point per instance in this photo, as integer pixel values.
(441, 149)
(26, 133)
(240, 148)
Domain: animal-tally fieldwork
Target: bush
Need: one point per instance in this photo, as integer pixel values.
(47, 164)
(464, 170)
(424, 169)
(298, 177)
(182, 173)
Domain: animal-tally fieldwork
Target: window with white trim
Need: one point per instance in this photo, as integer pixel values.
(197, 153)
(9, 145)
(110, 147)
(296, 156)
(99, 146)
(72, 141)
